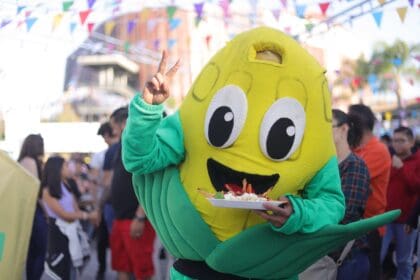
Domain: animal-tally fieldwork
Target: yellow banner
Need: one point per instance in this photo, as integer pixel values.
(18, 194)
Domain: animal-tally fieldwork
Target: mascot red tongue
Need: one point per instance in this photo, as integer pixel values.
(259, 110)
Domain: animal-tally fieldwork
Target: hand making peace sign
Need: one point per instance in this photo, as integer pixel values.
(157, 90)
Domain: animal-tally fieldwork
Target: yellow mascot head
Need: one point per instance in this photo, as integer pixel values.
(260, 111)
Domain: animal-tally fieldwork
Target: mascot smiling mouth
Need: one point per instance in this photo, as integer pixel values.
(221, 175)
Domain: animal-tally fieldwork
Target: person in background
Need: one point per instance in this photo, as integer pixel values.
(412, 224)
(66, 246)
(355, 185)
(132, 235)
(30, 157)
(403, 192)
(386, 139)
(378, 160)
(96, 174)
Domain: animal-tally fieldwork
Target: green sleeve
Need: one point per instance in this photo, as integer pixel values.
(150, 142)
(322, 202)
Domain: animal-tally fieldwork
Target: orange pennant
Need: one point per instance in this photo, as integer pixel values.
(401, 13)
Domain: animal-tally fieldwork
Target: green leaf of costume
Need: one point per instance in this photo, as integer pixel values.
(260, 252)
(179, 225)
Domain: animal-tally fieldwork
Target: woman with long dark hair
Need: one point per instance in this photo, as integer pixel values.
(30, 157)
(67, 244)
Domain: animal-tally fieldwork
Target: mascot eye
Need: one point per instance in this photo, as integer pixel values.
(282, 129)
(225, 116)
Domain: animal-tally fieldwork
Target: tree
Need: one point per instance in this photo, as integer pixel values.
(384, 70)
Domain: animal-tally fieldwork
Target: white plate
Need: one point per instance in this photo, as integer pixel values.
(255, 205)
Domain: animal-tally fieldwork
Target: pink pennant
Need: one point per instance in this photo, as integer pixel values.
(324, 7)
(225, 6)
(417, 57)
(90, 26)
(28, 13)
(83, 15)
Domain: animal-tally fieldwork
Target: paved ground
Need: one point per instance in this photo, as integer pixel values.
(89, 272)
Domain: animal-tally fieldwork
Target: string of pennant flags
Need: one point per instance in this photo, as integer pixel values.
(81, 13)
(317, 17)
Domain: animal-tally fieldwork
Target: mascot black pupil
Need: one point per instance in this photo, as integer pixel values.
(220, 126)
(280, 138)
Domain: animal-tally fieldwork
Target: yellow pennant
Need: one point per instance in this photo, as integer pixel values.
(402, 12)
(381, 2)
(109, 27)
(57, 20)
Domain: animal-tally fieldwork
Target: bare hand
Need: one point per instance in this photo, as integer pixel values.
(157, 90)
(136, 228)
(94, 218)
(397, 162)
(279, 215)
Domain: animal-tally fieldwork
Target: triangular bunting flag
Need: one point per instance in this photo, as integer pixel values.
(411, 3)
(174, 23)
(116, 10)
(156, 44)
(300, 10)
(130, 26)
(90, 26)
(225, 7)
(198, 7)
(170, 10)
(284, 3)
(208, 41)
(67, 5)
(288, 29)
(417, 57)
(83, 16)
(56, 21)
(309, 27)
(19, 9)
(73, 26)
(109, 27)
(29, 23)
(276, 14)
(91, 3)
(4, 23)
(28, 13)
(171, 43)
(378, 18)
(381, 2)
(401, 13)
(324, 7)
(127, 47)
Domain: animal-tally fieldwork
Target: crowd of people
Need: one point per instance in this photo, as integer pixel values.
(81, 202)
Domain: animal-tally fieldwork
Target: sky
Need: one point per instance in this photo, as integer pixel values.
(38, 56)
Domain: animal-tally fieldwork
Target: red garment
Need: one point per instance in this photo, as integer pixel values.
(404, 187)
(378, 160)
(132, 255)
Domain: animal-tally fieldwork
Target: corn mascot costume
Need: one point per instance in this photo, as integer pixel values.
(259, 110)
